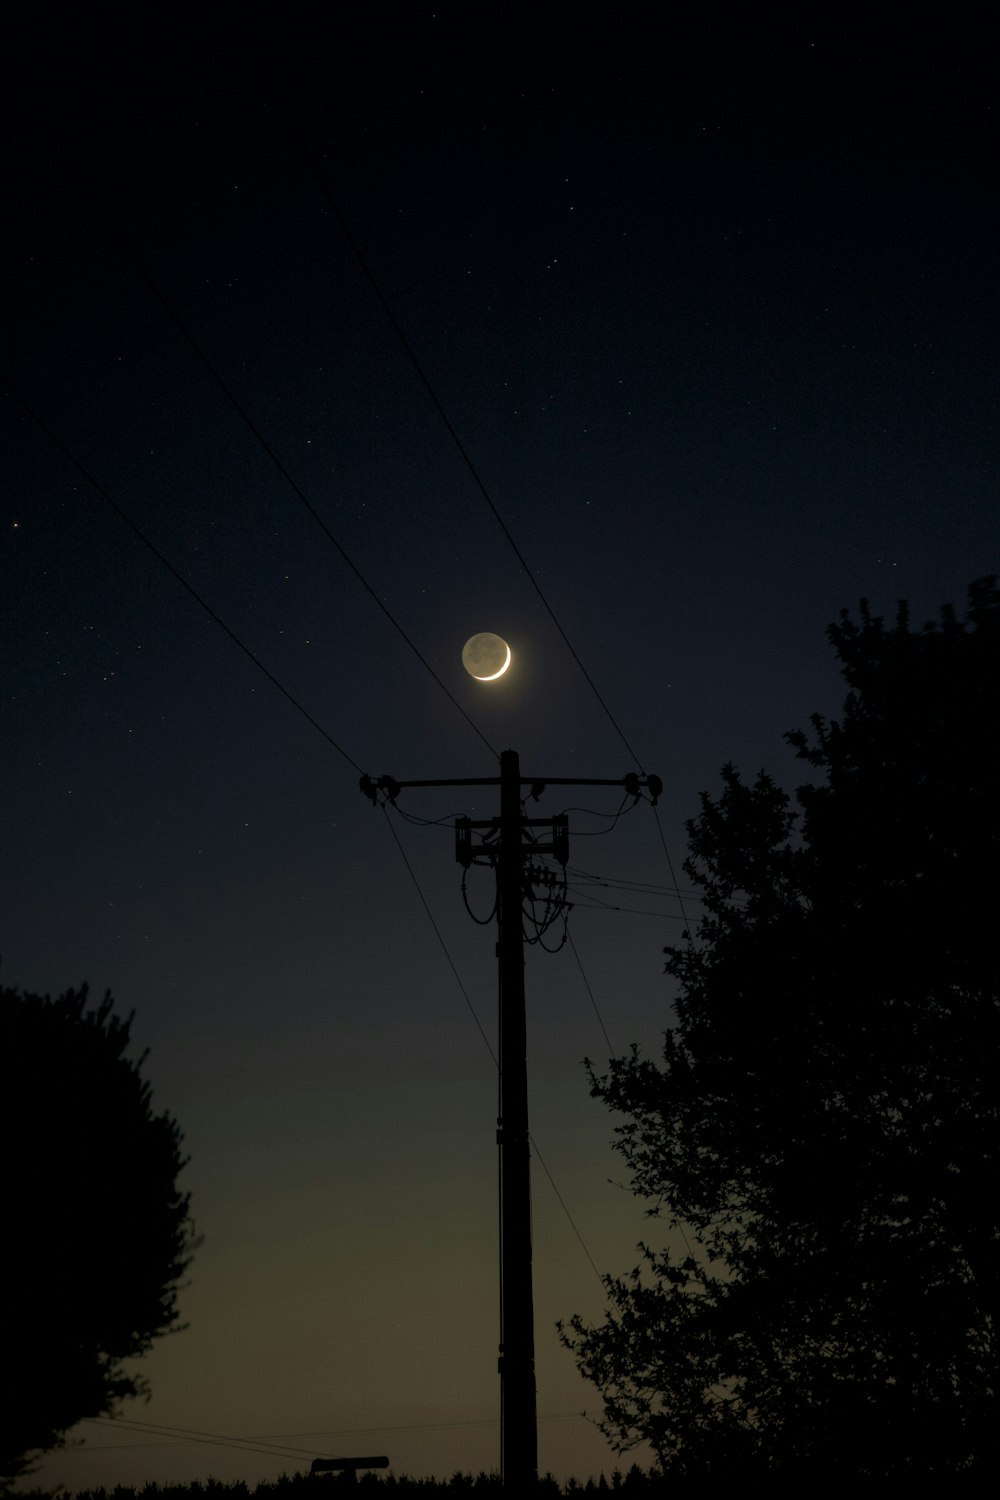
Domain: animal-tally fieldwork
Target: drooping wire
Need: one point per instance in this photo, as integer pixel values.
(555, 907)
(369, 274)
(594, 904)
(583, 1247)
(479, 921)
(418, 822)
(594, 833)
(597, 1013)
(437, 934)
(194, 1435)
(623, 883)
(166, 563)
(564, 917)
(673, 876)
(625, 806)
(279, 465)
(274, 1446)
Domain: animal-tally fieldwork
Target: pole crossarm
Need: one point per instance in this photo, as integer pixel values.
(631, 783)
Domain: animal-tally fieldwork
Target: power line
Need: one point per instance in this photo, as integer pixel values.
(442, 413)
(214, 1440)
(303, 498)
(272, 1445)
(437, 934)
(597, 1013)
(623, 883)
(422, 375)
(147, 542)
(670, 867)
(280, 466)
(283, 470)
(625, 806)
(439, 406)
(555, 1416)
(562, 1205)
(596, 904)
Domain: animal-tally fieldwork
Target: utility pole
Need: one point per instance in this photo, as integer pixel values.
(518, 1420)
(503, 845)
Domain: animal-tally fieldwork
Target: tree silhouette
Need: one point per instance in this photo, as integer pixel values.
(97, 1234)
(823, 1128)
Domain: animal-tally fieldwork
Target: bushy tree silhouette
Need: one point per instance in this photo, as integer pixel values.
(97, 1234)
(824, 1124)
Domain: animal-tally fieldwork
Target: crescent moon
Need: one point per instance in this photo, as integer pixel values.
(486, 650)
(494, 675)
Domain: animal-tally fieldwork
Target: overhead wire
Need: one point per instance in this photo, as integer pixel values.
(552, 1416)
(673, 876)
(272, 1445)
(137, 530)
(562, 1204)
(594, 833)
(282, 468)
(418, 822)
(417, 364)
(463, 452)
(631, 911)
(441, 941)
(466, 457)
(438, 404)
(625, 807)
(194, 1435)
(375, 285)
(479, 921)
(622, 883)
(602, 812)
(586, 981)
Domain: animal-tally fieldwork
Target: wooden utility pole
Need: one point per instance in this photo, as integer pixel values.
(518, 1414)
(518, 1422)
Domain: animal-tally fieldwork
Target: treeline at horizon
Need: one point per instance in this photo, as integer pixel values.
(634, 1482)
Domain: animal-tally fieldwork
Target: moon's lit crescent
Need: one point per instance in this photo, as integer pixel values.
(494, 675)
(488, 651)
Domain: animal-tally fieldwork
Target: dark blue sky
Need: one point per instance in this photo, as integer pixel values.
(711, 305)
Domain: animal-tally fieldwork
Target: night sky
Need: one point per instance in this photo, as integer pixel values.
(710, 304)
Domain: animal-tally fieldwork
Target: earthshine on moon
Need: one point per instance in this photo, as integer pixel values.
(486, 656)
